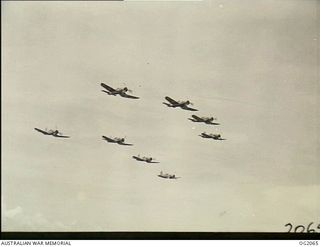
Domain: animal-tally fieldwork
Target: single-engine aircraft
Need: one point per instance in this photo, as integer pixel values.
(117, 140)
(213, 136)
(181, 104)
(145, 159)
(119, 91)
(54, 133)
(167, 176)
(206, 120)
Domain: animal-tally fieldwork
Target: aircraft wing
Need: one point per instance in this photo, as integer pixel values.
(172, 101)
(42, 131)
(108, 139)
(167, 177)
(125, 144)
(197, 118)
(61, 136)
(129, 96)
(205, 135)
(137, 158)
(110, 89)
(188, 108)
(154, 162)
(221, 139)
(167, 104)
(212, 123)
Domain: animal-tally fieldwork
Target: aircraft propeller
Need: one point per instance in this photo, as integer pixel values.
(128, 90)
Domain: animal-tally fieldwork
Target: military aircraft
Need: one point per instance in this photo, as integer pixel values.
(119, 91)
(181, 104)
(54, 133)
(206, 120)
(146, 159)
(213, 136)
(167, 176)
(117, 140)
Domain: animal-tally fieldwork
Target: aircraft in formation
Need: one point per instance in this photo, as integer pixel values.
(206, 120)
(119, 91)
(182, 104)
(167, 176)
(121, 141)
(212, 136)
(54, 133)
(145, 159)
(117, 140)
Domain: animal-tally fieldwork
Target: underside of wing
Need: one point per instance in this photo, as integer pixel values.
(212, 123)
(61, 136)
(110, 89)
(137, 158)
(188, 108)
(205, 135)
(125, 144)
(129, 96)
(108, 139)
(172, 101)
(196, 118)
(42, 131)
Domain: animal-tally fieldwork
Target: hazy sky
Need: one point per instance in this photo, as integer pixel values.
(251, 64)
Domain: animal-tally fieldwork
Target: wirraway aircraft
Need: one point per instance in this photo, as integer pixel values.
(167, 176)
(116, 140)
(182, 104)
(119, 91)
(206, 120)
(54, 133)
(145, 159)
(212, 136)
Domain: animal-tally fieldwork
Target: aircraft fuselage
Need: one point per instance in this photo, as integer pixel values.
(180, 104)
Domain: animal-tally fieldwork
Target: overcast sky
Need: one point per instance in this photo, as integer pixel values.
(251, 64)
